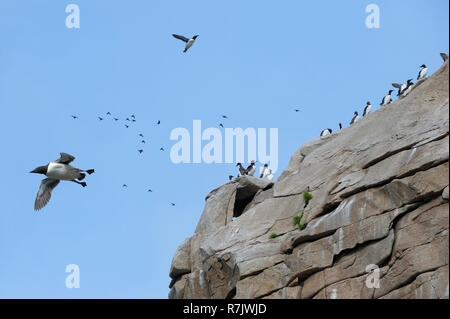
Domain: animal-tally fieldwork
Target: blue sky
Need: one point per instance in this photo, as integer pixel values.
(255, 61)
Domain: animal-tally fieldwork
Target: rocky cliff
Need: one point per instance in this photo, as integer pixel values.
(376, 226)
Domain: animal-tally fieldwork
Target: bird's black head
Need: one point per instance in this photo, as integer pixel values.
(329, 129)
(368, 102)
(40, 170)
(195, 36)
(266, 165)
(238, 164)
(409, 81)
(356, 113)
(340, 125)
(390, 91)
(423, 66)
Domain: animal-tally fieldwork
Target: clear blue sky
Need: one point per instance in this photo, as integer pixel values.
(255, 61)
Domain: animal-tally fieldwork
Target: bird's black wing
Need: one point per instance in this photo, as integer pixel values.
(396, 85)
(65, 158)
(180, 37)
(45, 192)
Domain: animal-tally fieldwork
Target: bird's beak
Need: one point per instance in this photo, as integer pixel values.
(33, 171)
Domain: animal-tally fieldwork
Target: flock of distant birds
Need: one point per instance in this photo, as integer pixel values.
(403, 90)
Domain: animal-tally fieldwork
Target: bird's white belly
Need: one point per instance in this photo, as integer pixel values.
(62, 171)
(189, 44)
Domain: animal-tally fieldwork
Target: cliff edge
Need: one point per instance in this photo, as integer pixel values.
(376, 226)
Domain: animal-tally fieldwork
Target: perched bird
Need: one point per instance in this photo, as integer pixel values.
(189, 42)
(74, 117)
(340, 126)
(444, 56)
(326, 132)
(242, 171)
(265, 171)
(367, 109)
(108, 113)
(408, 88)
(100, 118)
(422, 73)
(387, 99)
(116, 119)
(161, 149)
(230, 177)
(355, 118)
(140, 151)
(251, 168)
(270, 176)
(400, 87)
(221, 125)
(56, 171)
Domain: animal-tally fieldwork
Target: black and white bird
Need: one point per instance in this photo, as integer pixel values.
(387, 99)
(189, 42)
(422, 73)
(326, 132)
(340, 126)
(127, 126)
(57, 171)
(409, 86)
(400, 87)
(355, 118)
(367, 109)
(251, 168)
(444, 56)
(265, 171)
(241, 170)
(270, 176)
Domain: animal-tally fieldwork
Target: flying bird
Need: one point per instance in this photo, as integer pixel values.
(161, 149)
(149, 191)
(124, 185)
(387, 99)
(297, 110)
(224, 116)
(140, 151)
(173, 204)
(159, 122)
(100, 118)
(126, 126)
(189, 42)
(57, 171)
(422, 73)
(132, 115)
(127, 119)
(367, 109)
(221, 125)
(74, 117)
(108, 113)
(116, 119)
(355, 118)
(141, 135)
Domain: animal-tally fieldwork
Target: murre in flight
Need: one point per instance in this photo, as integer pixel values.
(242, 171)
(387, 99)
(326, 132)
(56, 171)
(367, 109)
(265, 171)
(355, 118)
(251, 168)
(189, 42)
(422, 73)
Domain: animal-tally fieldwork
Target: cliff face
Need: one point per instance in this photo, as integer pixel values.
(380, 199)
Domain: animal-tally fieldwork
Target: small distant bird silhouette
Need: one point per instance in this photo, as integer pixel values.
(141, 135)
(127, 119)
(224, 116)
(340, 126)
(132, 115)
(159, 122)
(143, 141)
(150, 191)
(124, 185)
(161, 149)
(56, 171)
(189, 42)
(140, 151)
(116, 119)
(230, 177)
(108, 113)
(297, 110)
(126, 126)
(173, 204)
(100, 118)
(74, 117)
(221, 125)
